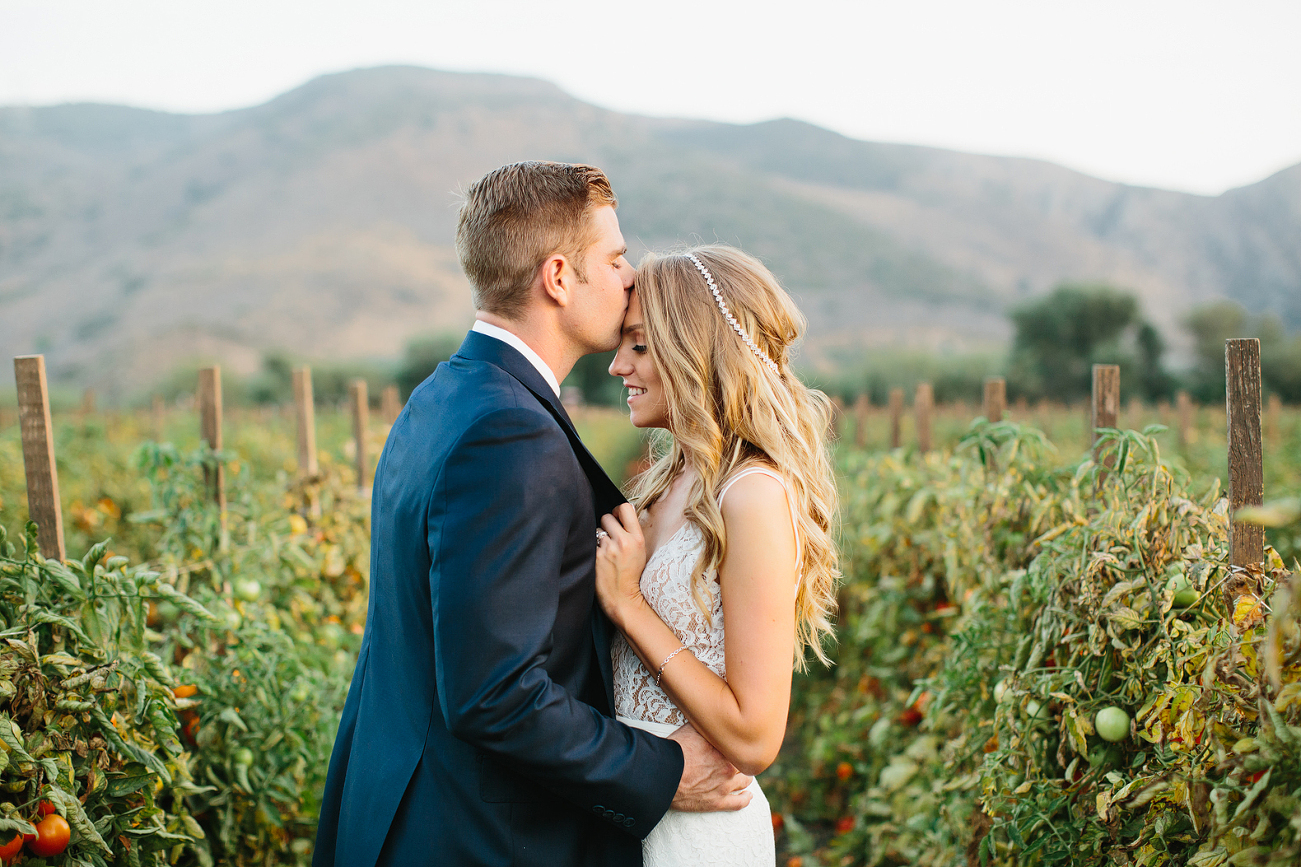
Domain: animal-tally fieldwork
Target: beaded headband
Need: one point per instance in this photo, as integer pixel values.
(731, 320)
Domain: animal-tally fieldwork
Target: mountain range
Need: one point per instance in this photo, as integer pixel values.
(320, 223)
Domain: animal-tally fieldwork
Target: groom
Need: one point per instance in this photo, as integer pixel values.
(478, 729)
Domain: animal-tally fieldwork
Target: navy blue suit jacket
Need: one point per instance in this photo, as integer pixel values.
(478, 729)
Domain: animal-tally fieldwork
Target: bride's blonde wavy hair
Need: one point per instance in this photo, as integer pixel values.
(727, 409)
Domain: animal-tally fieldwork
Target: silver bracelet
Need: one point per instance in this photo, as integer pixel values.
(660, 674)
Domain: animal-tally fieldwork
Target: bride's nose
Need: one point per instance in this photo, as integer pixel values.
(619, 366)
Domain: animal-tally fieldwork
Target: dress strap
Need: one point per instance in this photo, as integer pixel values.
(790, 504)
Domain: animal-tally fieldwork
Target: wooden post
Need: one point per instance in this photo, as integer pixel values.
(390, 404)
(1275, 418)
(995, 398)
(896, 417)
(862, 408)
(1022, 408)
(1106, 398)
(360, 422)
(160, 417)
(1184, 407)
(1246, 455)
(305, 412)
(305, 415)
(1105, 408)
(923, 406)
(88, 402)
(38, 454)
(210, 430)
(1163, 411)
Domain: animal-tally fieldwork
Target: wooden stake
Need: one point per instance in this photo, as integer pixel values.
(862, 408)
(923, 406)
(995, 398)
(360, 422)
(1105, 408)
(38, 454)
(390, 404)
(896, 417)
(1246, 455)
(209, 397)
(305, 413)
(1184, 409)
(1106, 398)
(88, 402)
(1275, 418)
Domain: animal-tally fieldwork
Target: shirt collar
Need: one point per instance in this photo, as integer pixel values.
(514, 342)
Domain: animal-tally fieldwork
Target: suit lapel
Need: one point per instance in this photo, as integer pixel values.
(605, 493)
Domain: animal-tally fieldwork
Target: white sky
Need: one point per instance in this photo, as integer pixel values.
(1198, 95)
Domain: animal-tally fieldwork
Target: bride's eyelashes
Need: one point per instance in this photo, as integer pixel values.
(639, 348)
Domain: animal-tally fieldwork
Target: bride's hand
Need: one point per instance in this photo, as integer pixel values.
(620, 558)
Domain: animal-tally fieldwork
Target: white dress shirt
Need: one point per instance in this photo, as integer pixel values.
(514, 342)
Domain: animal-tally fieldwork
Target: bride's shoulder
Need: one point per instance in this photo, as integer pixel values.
(754, 491)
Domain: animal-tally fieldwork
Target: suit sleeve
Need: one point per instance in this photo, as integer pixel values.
(499, 520)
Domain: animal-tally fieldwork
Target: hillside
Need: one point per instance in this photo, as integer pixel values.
(321, 222)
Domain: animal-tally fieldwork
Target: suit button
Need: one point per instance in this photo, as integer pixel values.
(629, 822)
(598, 809)
(618, 818)
(609, 814)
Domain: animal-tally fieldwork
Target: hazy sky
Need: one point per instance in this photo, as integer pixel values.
(1185, 94)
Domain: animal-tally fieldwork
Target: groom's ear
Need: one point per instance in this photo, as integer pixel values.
(557, 279)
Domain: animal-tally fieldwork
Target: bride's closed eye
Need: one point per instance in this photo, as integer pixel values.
(639, 348)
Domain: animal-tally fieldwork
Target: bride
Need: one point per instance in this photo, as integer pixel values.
(735, 515)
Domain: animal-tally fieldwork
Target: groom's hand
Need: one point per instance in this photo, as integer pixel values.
(709, 782)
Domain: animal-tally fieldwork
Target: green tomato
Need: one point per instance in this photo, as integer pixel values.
(1000, 691)
(1183, 592)
(1112, 724)
(243, 756)
(1035, 712)
(248, 590)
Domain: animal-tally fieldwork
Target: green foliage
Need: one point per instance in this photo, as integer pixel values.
(1280, 354)
(994, 607)
(1060, 336)
(88, 721)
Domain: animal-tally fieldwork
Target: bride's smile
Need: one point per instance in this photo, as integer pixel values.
(633, 364)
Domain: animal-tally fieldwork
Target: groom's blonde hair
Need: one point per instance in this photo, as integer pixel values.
(515, 217)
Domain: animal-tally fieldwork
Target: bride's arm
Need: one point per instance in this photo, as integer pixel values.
(745, 715)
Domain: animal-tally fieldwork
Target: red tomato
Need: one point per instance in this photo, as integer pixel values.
(910, 717)
(844, 824)
(45, 808)
(844, 771)
(778, 822)
(52, 835)
(10, 849)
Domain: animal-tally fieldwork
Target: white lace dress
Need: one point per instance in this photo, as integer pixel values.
(743, 838)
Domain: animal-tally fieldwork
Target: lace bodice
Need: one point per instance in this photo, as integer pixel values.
(666, 586)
